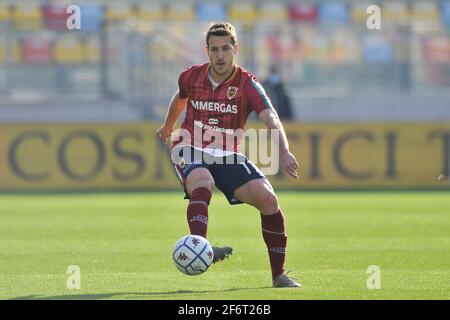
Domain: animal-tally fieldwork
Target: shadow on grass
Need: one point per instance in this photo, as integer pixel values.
(135, 294)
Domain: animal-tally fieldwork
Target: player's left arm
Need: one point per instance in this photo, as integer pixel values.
(273, 122)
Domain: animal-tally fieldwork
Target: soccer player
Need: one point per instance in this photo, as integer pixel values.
(219, 96)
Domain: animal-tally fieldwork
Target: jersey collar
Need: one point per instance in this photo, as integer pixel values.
(230, 77)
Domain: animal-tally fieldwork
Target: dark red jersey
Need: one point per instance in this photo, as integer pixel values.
(220, 112)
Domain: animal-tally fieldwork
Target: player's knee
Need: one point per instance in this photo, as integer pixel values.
(199, 178)
(202, 183)
(268, 203)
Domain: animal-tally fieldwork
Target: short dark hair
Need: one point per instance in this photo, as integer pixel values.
(222, 29)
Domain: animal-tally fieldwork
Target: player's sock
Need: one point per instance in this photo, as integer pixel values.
(275, 238)
(197, 211)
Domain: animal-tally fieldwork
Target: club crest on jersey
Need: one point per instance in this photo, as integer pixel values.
(231, 93)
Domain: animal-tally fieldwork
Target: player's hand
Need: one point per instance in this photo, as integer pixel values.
(289, 164)
(164, 132)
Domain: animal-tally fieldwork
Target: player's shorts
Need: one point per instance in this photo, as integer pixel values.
(229, 172)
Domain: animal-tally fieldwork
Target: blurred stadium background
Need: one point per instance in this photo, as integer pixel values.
(78, 108)
(78, 112)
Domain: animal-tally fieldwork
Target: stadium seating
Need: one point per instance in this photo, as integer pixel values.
(92, 50)
(55, 16)
(118, 11)
(180, 11)
(359, 11)
(273, 12)
(27, 16)
(437, 50)
(303, 12)
(2, 49)
(36, 50)
(150, 11)
(92, 16)
(333, 13)
(395, 11)
(425, 10)
(297, 33)
(33, 16)
(16, 52)
(345, 48)
(377, 49)
(68, 50)
(315, 47)
(4, 12)
(211, 12)
(242, 12)
(445, 9)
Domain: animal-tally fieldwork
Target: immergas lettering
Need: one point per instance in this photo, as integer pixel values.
(214, 106)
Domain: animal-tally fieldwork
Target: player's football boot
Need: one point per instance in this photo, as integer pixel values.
(221, 253)
(284, 281)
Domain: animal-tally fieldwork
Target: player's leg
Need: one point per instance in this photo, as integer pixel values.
(260, 194)
(199, 185)
(243, 182)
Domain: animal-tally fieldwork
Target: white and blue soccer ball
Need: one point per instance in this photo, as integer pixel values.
(192, 255)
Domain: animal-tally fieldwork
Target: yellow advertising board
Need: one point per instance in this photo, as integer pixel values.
(72, 157)
(370, 155)
(82, 157)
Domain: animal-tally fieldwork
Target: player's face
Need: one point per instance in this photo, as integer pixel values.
(221, 53)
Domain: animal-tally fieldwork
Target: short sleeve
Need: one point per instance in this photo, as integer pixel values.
(182, 92)
(257, 98)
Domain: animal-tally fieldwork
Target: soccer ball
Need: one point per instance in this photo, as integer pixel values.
(192, 255)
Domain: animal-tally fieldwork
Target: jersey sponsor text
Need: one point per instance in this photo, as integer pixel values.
(214, 106)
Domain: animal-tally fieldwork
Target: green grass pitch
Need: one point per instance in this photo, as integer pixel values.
(122, 243)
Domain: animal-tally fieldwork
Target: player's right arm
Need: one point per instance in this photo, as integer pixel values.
(176, 107)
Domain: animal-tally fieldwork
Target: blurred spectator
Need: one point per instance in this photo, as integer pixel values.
(275, 89)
